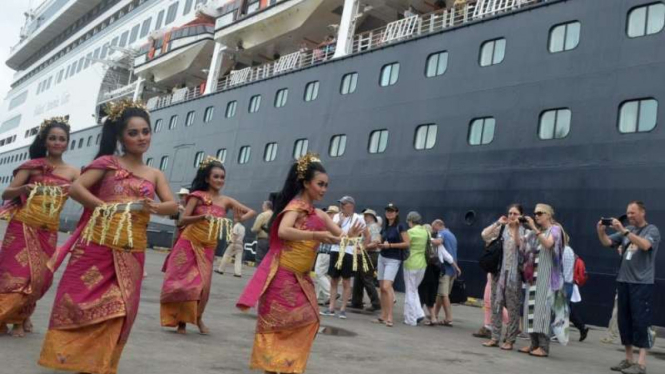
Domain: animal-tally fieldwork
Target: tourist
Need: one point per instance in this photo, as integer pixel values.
(449, 271)
(571, 289)
(635, 283)
(288, 318)
(427, 290)
(188, 268)
(342, 268)
(98, 295)
(414, 269)
(613, 326)
(364, 280)
(543, 246)
(32, 231)
(394, 246)
(322, 282)
(182, 201)
(506, 285)
(236, 249)
(262, 231)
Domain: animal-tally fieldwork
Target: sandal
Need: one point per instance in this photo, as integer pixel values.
(538, 353)
(491, 343)
(378, 321)
(447, 323)
(526, 350)
(389, 323)
(507, 346)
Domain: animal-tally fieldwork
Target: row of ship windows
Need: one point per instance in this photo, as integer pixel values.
(139, 31)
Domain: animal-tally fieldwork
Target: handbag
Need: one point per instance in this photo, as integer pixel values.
(458, 293)
(492, 257)
(432, 254)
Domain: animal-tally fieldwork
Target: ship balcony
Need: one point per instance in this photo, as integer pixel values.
(180, 56)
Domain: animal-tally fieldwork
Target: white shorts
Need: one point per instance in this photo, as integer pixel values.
(388, 268)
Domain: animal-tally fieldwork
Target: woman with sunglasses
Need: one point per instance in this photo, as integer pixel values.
(543, 273)
(507, 285)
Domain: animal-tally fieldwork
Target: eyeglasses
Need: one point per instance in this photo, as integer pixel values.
(538, 214)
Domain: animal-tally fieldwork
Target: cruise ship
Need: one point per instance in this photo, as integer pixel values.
(451, 108)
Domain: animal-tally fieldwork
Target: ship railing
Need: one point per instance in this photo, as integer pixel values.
(439, 20)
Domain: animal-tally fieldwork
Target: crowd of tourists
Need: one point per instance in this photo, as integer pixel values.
(533, 274)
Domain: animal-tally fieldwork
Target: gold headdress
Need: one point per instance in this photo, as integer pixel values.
(304, 162)
(114, 110)
(209, 160)
(49, 121)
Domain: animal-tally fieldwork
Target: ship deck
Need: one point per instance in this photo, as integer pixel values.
(358, 347)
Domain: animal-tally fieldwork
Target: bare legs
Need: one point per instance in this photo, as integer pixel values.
(642, 359)
(387, 300)
(346, 293)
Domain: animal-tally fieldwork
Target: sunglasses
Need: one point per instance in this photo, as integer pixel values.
(538, 214)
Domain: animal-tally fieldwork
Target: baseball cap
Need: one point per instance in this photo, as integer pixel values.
(392, 206)
(347, 200)
(332, 209)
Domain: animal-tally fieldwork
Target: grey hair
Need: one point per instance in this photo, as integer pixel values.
(414, 217)
(438, 221)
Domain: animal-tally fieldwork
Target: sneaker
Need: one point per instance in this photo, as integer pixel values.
(327, 312)
(635, 369)
(583, 334)
(484, 332)
(607, 340)
(342, 315)
(623, 365)
(554, 339)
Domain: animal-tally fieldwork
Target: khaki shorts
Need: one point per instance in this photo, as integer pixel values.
(445, 285)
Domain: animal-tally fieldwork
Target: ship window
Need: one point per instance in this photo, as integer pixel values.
(89, 143)
(253, 6)
(378, 141)
(281, 97)
(80, 143)
(481, 131)
(134, 33)
(99, 136)
(231, 109)
(300, 148)
(638, 116)
(123, 38)
(164, 163)
(312, 91)
(554, 124)
(646, 20)
(254, 104)
(173, 122)
(160, 19)
(189, 120)
(105, 51)
(492, 52)
(389, 74)
(349, 83)
(198, 158)
(243, 156)
(149, 161)
(95, 55)
(207, 115)
(114, 42)
(221, 154)
(270, 152)
(425, 137)
(80, 64)
(564, 37)
(145, 28)
(158, 125)
(437, 64)
(337, 146)
(170, 16)
(73, 145)
(59, 78)
(188, 7)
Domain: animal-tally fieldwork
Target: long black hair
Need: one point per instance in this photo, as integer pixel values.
(38, 146)
(293, 186)
(395, 222)
(113, 128)
(199, 183)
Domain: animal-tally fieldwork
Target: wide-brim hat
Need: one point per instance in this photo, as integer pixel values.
(371, 212)
(332, 209)
(183, 191)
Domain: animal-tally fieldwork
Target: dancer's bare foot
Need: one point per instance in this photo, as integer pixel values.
(4, 330)
(203, 329)
(18, 331)
(27, 325)
(182, 329)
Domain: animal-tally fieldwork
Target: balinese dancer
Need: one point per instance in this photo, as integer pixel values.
(98, 296)
(188, 267)
(288, 315)
(36, 197)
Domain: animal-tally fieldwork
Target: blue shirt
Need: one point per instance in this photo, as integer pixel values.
(450, 242)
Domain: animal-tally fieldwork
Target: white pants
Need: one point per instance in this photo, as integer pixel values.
(232, 250)
(322, 282)
(413, 309)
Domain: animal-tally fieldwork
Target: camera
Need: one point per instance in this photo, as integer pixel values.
(606, 221)
(522, 220)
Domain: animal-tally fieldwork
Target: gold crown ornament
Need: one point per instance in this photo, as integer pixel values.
(114, 110)
(49, 121)
(209, 160)
(304, 162)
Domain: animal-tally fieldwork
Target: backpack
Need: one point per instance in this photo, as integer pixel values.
(580, 275)
(492, 257)
(432, 253)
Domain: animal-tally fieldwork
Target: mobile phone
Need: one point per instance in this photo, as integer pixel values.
(606, 221)
(522, 220)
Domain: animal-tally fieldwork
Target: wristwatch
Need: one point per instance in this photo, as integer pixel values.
(625, 233)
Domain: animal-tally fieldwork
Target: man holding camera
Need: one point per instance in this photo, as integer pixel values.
(635, 282)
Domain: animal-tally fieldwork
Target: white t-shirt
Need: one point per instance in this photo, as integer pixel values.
(347, 223)
(239, 233)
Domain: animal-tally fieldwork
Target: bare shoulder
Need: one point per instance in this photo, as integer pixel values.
(320, 213)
